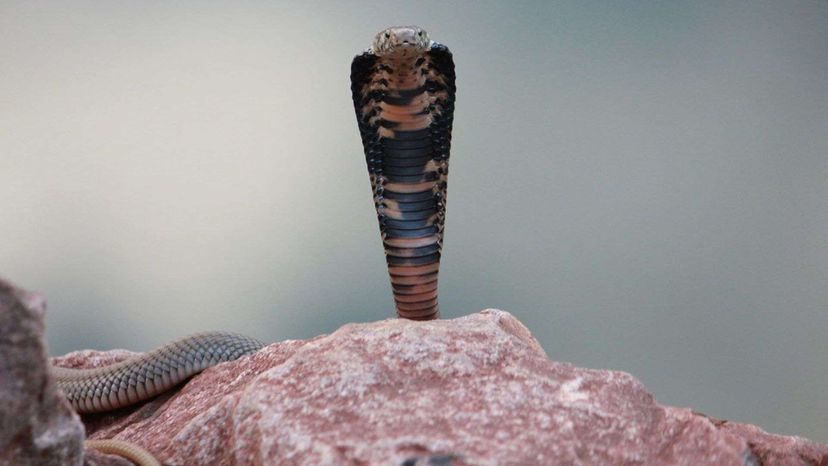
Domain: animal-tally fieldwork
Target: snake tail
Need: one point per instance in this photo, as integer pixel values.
(128, 450)
(403, 89)
(142, 377)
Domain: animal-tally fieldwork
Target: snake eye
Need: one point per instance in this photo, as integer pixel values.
(387, 35)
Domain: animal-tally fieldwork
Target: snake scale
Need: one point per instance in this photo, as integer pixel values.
(403, 91)
(142, 377)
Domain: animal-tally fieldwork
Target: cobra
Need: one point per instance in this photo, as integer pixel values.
(403, 90)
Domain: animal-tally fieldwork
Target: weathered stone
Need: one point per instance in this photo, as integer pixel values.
(776, 450)
(37, 426)
(478, 390)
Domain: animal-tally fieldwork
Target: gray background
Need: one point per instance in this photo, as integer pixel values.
(643, 184)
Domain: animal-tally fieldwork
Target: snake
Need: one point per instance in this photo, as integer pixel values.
(142, 377)
(403, 92)
(403, 89)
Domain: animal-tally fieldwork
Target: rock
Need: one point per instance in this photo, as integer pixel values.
(477, 390)
(773, 449)
(37, 426)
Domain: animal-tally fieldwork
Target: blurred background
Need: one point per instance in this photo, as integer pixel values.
(643, 184)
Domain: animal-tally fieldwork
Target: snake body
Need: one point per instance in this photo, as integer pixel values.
(403, 91)
(142, 377)
(128, 450)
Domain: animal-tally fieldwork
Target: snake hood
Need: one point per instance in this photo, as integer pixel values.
(403, 92)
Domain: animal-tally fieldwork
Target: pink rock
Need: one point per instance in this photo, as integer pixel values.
(37, 426)
(776, 449)
(478, 390)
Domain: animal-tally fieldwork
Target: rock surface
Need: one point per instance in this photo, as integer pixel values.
(478, 390)
(773, 449)
(37, 426)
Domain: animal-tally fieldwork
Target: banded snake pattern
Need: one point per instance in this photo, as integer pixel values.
(403, 91)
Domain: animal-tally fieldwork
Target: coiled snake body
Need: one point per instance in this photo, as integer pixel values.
(403, 90)
(145, 376)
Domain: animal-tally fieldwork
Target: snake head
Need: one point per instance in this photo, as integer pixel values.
(404, 39)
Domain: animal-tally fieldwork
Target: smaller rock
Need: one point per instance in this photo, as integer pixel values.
(37, 425)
